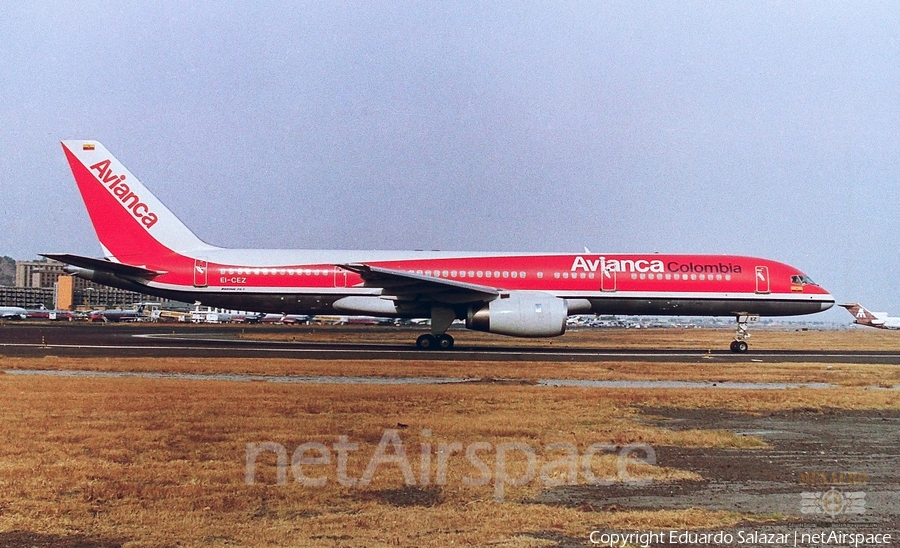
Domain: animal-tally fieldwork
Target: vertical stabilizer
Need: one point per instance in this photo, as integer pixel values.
(862, 315)
(131, 223)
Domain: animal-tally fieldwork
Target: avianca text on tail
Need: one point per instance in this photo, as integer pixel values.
(131, 201)
(148, 249)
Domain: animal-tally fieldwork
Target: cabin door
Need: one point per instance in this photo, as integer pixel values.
(340, 277)
(607, 280)
(762, 279)
(201, 273)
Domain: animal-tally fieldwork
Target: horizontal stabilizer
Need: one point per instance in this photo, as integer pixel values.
(103, 265)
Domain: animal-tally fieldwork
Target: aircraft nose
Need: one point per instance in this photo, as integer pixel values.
(826, 304)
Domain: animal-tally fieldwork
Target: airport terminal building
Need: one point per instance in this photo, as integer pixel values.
(46, 283)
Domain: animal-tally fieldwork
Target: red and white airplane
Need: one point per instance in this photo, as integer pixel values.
(147, 249)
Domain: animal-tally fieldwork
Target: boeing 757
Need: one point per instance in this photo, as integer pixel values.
(862, 316)
(147, 249)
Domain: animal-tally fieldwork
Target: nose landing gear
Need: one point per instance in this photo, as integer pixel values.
(739, 344)
(739, 347)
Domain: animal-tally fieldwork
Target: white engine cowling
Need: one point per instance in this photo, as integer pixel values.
(521, 314)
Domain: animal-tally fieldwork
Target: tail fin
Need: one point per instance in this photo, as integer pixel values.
(131, 223)
(859, 312)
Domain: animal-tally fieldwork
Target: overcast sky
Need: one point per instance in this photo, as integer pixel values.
(768, 129)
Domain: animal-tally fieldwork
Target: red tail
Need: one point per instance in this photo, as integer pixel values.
(133, 226)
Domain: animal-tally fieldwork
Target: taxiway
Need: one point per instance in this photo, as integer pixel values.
(87, 340)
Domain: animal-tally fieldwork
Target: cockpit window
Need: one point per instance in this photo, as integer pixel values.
(802, 279)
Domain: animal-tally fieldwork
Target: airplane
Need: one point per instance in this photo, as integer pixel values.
(117, 316)
(12, 313)
(148, 249)
(287, 319)
(44, 313)
(256, 318)
(880, 320)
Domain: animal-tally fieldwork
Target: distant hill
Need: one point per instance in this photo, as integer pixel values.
(7, 271)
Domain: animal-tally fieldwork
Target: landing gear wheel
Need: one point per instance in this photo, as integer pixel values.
(434, 342)
(426, 342)
(444, 342)
(739, 347)
(739, 344)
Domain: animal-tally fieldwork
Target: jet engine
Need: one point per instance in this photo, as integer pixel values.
(521, 314)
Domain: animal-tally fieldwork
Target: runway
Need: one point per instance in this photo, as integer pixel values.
(96, 340)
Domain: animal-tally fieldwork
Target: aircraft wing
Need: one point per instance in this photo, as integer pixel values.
(103, 265)
(406, 286)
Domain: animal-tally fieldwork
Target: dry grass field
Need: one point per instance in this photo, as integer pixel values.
(705, 369)
(161, 462)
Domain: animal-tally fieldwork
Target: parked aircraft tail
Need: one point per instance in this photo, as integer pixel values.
(862, 315)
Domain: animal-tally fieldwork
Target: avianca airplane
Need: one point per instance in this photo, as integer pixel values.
(147, 249)
(880, 320)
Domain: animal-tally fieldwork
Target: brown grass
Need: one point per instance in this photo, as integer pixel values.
(159, 462)
(162, 462)
(705, 370)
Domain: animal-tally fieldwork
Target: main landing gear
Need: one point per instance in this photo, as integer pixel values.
(428, 341)
(739, 344)
(438, 339)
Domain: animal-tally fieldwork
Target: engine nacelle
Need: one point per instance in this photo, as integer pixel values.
(521, 314)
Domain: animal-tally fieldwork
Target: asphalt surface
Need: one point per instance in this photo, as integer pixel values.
(33, 339)
(811, 455)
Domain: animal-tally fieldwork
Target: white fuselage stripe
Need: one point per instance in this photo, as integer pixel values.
(367, 291)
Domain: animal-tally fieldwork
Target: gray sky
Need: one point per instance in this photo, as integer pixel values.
(769, 129)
